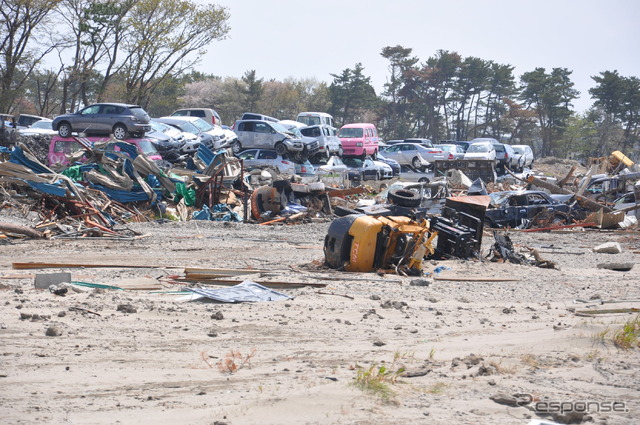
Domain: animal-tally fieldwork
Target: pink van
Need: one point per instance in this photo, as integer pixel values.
(60, 147)
(359, 140)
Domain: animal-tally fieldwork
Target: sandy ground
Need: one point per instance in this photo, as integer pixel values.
(460, 342)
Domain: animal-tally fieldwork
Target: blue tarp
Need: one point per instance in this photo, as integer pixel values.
(246, 291)
(206, 214)
(18, 157)
(4, 150)
(51, 189)
(134, 195)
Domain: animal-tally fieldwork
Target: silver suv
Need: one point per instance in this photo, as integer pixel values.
(272, 135)
(118, 119)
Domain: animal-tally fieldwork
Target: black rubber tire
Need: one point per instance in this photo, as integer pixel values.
(64, 129)
(416, 163)
(236, 147)
(404, 198)
(280, 148)
(363, 156)
(342, 211)
(423, 180)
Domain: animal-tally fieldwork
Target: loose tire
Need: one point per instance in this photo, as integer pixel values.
(64, 129)
(404, 198)
(119, 131)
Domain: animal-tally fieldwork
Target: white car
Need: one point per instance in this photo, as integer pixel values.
(481, 150)
(454, 151)
(333, 165)
(41, 127)
(387, 171)
(524, 155)
(414, 154)
(267, 157)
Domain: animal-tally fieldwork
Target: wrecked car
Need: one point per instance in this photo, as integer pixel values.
(521, 208)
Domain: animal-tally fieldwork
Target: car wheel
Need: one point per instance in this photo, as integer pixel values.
(375, 155)
(423, 180)
(280, 148)
(64, 129)
(236, 147)
(364, 155)
(416, 163)
(119, 131)
(559, 220)
(299, 157)
(404, 198)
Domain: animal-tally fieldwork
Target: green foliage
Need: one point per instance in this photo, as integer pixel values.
(550, 94)
(351, 95)
(629, 336)
(376, 380)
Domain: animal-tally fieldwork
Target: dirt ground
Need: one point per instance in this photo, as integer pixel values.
(459, 343)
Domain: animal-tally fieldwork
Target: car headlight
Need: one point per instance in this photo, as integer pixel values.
(359, 144)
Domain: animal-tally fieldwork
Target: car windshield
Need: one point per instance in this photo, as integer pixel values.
(309, 120)
(295, 130)
(46, 124)
(499, 198)
(448, 148)
(350, 133)
(202, 124)
(353, 162)
(158, 126)
(147, 147)
(188, 127)
(480, 147)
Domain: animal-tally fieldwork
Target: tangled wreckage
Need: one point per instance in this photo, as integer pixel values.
(391, 232)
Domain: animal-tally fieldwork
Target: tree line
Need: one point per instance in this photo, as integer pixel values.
(145, 52)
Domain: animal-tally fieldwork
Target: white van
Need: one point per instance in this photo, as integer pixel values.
(315, 118)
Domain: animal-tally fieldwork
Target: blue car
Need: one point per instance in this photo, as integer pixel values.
(395, 165)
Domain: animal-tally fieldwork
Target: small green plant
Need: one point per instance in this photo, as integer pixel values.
(376, 380)
(600, 338)
(437, 388)
(629, 336)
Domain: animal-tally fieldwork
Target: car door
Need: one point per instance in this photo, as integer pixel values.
(263, 135)
(107, 117)
(86, 120)
(268, 157)
(408, 152)
(393, 152)
(246, 134)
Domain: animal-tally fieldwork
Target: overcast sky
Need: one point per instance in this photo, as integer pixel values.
(300, 39)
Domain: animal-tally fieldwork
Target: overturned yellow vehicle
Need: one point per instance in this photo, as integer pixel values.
(364, 243)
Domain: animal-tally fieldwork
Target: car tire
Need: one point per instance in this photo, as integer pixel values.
(404, 198)
(280, 148)
(236, 147)
(119, 132)
(64, 129)
(423, 180)
(363, 156)
(416, 163)
(375, 155)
